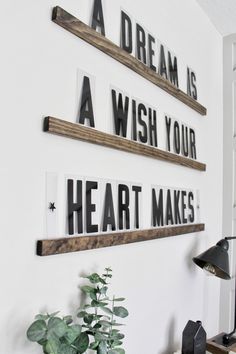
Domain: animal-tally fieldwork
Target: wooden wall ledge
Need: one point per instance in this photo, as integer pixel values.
(83, 31)
(91, 135)
(82, 243)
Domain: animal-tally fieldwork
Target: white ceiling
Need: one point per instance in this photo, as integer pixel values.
(222, 14)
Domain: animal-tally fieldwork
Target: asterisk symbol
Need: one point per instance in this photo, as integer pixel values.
(52, 206)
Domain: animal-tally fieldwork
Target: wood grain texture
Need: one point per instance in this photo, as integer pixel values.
(216, 348)
(82, 243)
(91, 135)
(83, 31)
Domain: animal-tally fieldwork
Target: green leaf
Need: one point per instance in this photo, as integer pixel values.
(72, 333)
(102, 348)
(120, 351)
(41, 317)
(54, 314)
(51, 346)
(119, 299)
(87, 289)
(116, 343)
(88, 319)
(68, 319)
(104, 323)
(94, 278)
(96, 303)
(107, 276)
(37, 331)
(103, 290)
(42, 341)
(97, 326)
(81, 314)
(100, 337)
(76, 328)
(56, 326)
(117, 351)
(107, 310)
(118, 336)
(108, 269)
(120, 311)
(94, 345)
(65, 349)
(87, 306)
(82, 343)
(93, 295)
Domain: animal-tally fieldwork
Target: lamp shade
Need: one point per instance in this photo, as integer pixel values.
(217, 257)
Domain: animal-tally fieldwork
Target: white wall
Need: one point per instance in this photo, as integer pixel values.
(228, 287)
(39, 64)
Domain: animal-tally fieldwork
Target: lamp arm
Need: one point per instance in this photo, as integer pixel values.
(227, 336)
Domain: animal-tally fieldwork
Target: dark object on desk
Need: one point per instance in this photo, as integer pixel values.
(215, 261)
(214, 346)
(194, 338)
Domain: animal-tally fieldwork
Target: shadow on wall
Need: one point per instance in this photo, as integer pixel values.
(18, 335)
(193, 251)
(171, 345)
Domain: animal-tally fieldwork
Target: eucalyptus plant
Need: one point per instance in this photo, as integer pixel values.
(99, 315)
(58, 335)
(98, 331)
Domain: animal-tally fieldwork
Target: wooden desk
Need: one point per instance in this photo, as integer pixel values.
(216, 348)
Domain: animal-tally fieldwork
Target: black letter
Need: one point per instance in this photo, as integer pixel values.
(109, 215)
(97, 19)
(173, 71)
(86, 106)
(153, 127)
(157, 209)
(134, 130)
(190, 199)
(90, 208)
(191, 84)
(141, 43)
(136, 190)
(176, 203)
(183, 195)
(126, 37)
(192, 144)
(123, 206)
(74, 207)
(142, 137)
(176, 137)
(120, 114)
(151, 52)
(162, 65)
(169, 214)
(188, 83)
(185, 140)
(194, 87)
(168, 125)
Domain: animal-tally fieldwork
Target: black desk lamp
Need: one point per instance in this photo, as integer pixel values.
(215, 260)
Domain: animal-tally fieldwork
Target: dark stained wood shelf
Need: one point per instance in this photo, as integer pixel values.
(82, 243)
(83, 31)
(91, 135)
